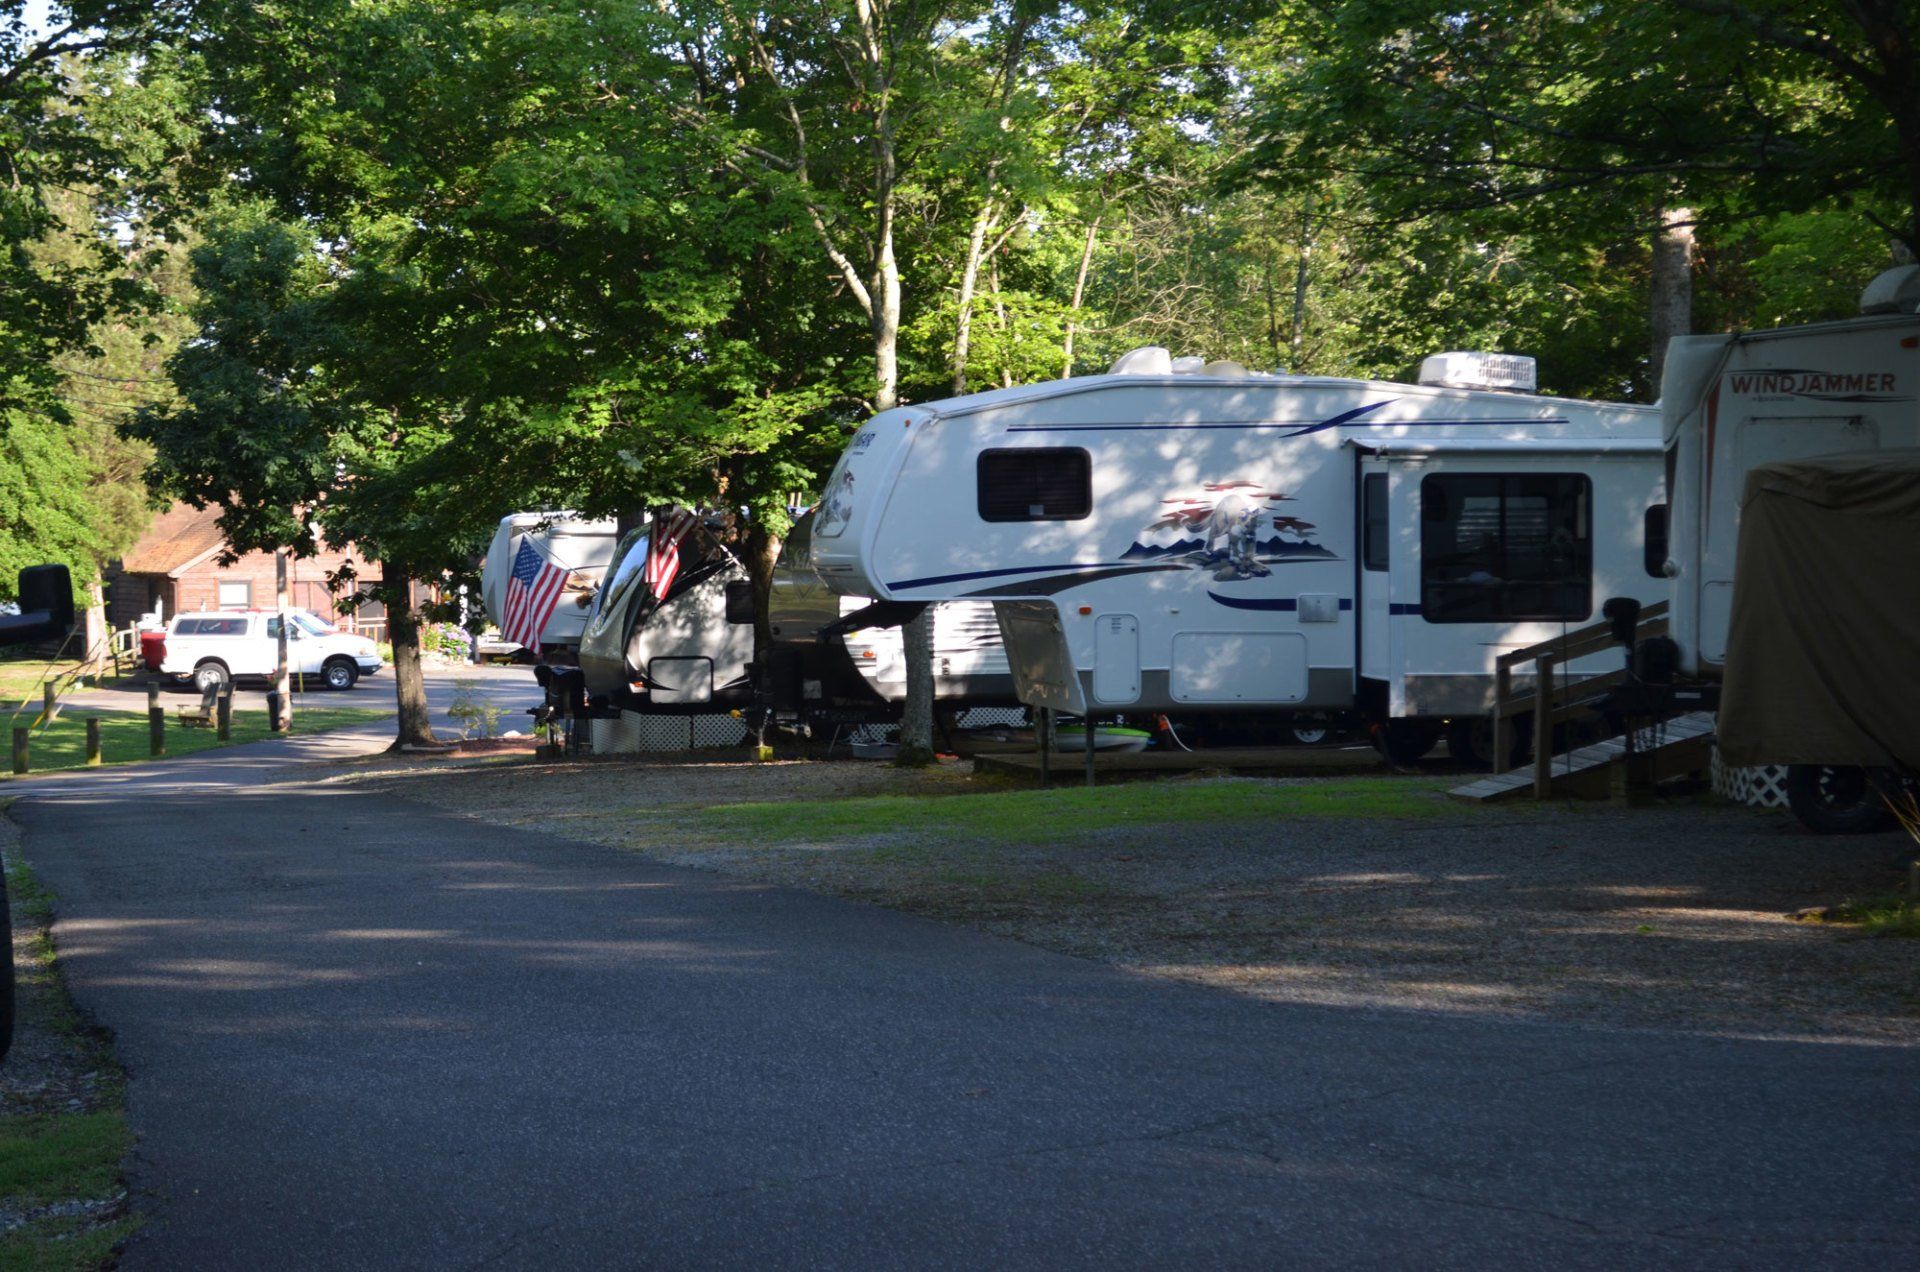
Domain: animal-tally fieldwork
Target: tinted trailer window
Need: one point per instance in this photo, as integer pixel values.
(1506, 546)
(1053, 483)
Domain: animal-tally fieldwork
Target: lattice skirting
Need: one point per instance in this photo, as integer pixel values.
(634, 733)
(1762, 787)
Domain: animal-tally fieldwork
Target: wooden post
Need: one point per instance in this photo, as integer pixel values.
(50, 702)
(20, 735)
(223, 713)
(1502, 756)
(1087, 723)
(93, 741)
(281, 679)
(156, 723)
(1043, 719)
(1543, 727)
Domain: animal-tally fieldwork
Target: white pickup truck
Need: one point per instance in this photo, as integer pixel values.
(211, 649)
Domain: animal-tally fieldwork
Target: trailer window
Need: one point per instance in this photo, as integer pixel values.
(1053, 483)
(1654, 544)
(1506, 546)
(1373, 524)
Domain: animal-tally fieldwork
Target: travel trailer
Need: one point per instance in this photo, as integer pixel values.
(1731, 403)
(1193, 538)
(840, 657)
(583, 547)
(672, 630)
(833, 658)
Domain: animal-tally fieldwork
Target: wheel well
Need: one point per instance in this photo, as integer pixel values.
(337, 658)
(221, 663)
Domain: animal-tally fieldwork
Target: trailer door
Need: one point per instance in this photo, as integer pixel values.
(1376, 551)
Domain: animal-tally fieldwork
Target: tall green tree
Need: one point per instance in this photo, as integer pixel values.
(1593, 124)
(78, 283)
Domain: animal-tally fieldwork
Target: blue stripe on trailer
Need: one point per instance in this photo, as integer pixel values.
(931, 579)
(1281, 604)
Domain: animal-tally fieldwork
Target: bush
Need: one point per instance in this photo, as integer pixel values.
(474, 712)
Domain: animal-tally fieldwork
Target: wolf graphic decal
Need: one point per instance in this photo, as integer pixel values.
(1219, 529)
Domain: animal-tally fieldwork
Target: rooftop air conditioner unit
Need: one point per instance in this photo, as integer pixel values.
(1510, 371)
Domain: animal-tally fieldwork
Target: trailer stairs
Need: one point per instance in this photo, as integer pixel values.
(1625, 765)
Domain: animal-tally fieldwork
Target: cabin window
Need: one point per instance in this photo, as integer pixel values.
(1654, 545)
(1053, 483)
(1506, 546)
(1373, 524)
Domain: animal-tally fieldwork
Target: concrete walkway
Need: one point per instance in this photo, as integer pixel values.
(365, 1034)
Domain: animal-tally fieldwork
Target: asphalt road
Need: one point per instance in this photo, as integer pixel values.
(362, 1033)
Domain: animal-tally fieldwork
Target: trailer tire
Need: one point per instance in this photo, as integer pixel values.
(1405, 742)
(1836, 800)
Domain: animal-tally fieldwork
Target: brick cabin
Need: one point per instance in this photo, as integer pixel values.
(176, 564)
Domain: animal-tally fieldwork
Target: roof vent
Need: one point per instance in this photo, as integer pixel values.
(1228, 369)
(1896, 291)
(1509, 371)
(1189, 366)
(1146, 360)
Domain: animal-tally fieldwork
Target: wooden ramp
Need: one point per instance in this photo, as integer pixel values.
(1678, 746)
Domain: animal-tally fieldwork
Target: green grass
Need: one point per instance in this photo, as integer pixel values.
(20, 679)
(52, 1157)
(123, 734)
(1031, 816)
(1890, 914)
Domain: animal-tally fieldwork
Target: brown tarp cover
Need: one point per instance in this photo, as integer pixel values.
(1823, 654)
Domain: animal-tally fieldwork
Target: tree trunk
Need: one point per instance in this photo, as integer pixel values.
(1079, 296)
(886, 328)
(1000, 320)
(1297, 336)
(969, 280)
(99, 633)
(409, 685)
(1671, 302)
(762, 550)
(916, 721)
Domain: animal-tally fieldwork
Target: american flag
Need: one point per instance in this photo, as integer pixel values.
(532, 591)
(663, 550)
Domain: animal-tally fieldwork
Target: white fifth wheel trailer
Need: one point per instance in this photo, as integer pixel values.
(584, 548)
(1734, 402)
(1186, 538)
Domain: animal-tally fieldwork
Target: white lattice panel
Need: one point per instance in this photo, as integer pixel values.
(635, 733)
(1761, 787)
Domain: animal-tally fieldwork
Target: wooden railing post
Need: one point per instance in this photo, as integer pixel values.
(93, 741)
(20, 735)
(1502, 716)
(156, 723)
(50, 702)
(223, 712)
(1543, 727)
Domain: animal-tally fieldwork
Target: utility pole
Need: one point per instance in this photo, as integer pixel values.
(283, 707)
